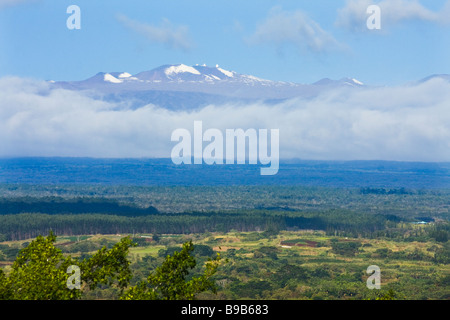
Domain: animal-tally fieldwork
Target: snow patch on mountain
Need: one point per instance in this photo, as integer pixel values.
(180, 69)
(124, 75)
(110, 78)
(229, 74)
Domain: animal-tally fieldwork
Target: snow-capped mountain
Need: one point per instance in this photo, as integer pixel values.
(175, 74)
(187, 87)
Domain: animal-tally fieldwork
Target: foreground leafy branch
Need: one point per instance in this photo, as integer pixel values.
(168, 282)
(40, 273)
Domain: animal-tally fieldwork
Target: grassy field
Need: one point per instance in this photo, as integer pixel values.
(411, 279)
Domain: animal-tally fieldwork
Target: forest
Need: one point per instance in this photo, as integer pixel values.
(27, 211)
(276, 242)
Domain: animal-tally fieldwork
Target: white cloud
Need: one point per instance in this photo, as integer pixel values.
(353, 15)
(173, 37)
(399, 123)
(293, 28)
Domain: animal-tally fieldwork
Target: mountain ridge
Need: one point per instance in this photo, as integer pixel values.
(183, 87)
(182, 72)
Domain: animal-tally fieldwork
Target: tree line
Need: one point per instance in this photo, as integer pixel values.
(29, 225)
(78, 205)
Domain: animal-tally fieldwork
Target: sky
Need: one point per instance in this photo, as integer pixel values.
(393, 118)
(288, 40)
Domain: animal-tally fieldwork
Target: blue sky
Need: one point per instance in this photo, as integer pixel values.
(289, 40)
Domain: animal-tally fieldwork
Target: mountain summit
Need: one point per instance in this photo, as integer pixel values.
(183, 72)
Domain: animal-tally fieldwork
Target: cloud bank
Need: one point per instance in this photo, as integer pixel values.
(173, 37)
(408, 123)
